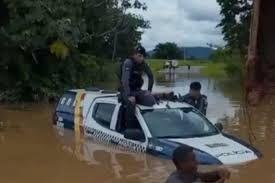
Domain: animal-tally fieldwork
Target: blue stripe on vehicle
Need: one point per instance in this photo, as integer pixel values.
(68, 125)
(256, 151)
(168, 148)
(68, 120)
(164, 148)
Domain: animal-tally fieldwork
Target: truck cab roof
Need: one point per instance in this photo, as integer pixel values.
(91, 95)
(112, 97)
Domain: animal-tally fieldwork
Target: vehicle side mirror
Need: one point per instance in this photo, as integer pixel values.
(134, 134)
(219, 126)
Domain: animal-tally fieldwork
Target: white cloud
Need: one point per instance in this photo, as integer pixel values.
(186, 22)
(200, 10)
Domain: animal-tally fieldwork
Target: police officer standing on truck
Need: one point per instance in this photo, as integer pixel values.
(131, 74)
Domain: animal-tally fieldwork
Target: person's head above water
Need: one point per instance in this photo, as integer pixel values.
(185, 159)
(195, 89)
(139, 54)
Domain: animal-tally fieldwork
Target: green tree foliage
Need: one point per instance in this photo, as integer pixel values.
(232, 60)
(113, 29)
(221, 55)
(49, 46)
(4, 16)
(167, 51)
(235, 23)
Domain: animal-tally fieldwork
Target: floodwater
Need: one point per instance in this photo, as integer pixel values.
(32, 150)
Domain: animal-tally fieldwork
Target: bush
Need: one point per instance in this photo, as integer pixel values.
(50, 77)
(214, 70)
(234, 70)
(232, 59)
(156, 64)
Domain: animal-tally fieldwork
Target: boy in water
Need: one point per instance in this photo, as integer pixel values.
(187, 169)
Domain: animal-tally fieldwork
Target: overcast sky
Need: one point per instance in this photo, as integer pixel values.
(186, 22)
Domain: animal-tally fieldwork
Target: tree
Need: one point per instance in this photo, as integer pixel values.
(130, 36)
(4, 16)
(235, 23)
(221, 55)
(114, 31)
(167, 51)
(45, 45)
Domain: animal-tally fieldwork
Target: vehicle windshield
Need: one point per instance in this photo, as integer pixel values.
(178, 123)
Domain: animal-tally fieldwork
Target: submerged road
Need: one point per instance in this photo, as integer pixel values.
(184, 70)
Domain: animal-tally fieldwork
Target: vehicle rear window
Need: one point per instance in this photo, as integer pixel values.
(67, 103)
(103, 113)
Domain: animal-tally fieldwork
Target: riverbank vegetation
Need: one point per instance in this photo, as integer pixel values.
(235, 26)
(49, 46)
(209, 68)
(222, 63)
(158, 64)
(216, 70)
(230, 61)
(219, 63)
(167, 50)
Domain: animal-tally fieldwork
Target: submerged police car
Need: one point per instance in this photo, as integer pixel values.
(161, 128)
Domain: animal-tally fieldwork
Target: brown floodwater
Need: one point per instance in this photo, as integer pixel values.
(32, 150)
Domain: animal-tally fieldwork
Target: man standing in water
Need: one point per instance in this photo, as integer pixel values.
(195, 98)
(131, 83)
(187, 169)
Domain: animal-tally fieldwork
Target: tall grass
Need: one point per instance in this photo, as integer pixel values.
(230, 68)
(158, 64)
(214, 70)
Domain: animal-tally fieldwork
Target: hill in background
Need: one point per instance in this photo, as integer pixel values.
(193, 53)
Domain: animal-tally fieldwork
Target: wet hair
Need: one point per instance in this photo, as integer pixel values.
(180, 154)
(195, 86)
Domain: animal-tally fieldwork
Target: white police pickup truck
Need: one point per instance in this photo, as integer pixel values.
(160, 128)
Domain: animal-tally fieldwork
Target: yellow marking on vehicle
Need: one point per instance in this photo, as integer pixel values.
(78, 113)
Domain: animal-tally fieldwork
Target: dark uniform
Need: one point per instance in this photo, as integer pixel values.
(131, 78)
(131, 84)
(200, 103)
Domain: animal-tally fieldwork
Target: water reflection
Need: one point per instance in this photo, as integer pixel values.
(170, 77)
(223, 95)
(31, 151)
(123, 165)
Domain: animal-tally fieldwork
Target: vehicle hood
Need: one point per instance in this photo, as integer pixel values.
(225, 149)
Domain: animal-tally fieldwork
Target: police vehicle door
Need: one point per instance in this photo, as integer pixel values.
(117, 126)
